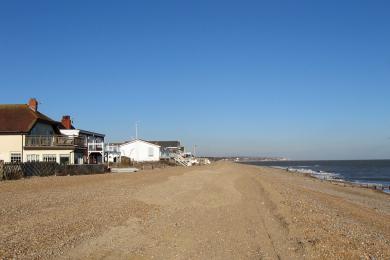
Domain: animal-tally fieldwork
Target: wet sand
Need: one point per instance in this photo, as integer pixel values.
(222, 211)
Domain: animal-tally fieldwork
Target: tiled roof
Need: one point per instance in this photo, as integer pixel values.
(20, 118)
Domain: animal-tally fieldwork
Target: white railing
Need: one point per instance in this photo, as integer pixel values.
(180, 160)
(111, 148)
(95, 147)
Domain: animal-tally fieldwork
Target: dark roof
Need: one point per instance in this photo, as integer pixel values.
(21, 119)
(115, 143)
(91, 133)
(165, 144)
(61, 126)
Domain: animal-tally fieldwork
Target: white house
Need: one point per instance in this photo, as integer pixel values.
(140, 151)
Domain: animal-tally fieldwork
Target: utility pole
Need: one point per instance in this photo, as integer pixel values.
(194, 150)
(136, 130)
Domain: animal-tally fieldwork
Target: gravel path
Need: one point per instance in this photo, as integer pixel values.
(222, 211)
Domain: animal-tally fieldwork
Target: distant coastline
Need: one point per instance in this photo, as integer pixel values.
(249, 159)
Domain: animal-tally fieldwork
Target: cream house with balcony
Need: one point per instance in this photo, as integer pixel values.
(28, 135)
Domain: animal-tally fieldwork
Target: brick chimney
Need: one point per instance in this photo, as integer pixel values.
(33, 104)
(66, 122)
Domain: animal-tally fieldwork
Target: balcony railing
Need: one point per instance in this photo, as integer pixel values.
(112, 148)
(54, 141)
(95, 147)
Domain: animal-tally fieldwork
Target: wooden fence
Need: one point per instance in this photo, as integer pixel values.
(1, 169)
(14, 171)
(81, 169)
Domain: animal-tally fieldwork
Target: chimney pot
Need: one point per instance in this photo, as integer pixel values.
(33, 104)
(66, 122)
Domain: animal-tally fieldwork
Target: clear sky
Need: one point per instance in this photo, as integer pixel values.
(301, 79)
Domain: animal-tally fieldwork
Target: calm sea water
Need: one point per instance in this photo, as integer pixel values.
(364, 171)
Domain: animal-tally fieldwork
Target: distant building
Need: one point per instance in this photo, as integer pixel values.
(140, 151)
(28, 135)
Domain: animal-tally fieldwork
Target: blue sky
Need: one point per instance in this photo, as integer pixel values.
(301, 79)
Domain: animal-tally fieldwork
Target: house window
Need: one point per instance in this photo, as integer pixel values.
(49, 158)
(78, 158)
(151, 152)
(16, 157)
(64, 159)
(33, 157)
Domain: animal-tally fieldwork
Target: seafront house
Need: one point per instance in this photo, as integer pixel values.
(140, 151)
(112, 152)
(94, 142)
(28, 135)
(168, 147)
(174, 151)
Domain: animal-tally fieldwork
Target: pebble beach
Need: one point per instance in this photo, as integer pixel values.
(221, 211)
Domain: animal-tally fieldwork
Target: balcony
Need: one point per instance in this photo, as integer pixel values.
(112, 148)
(54, 141)
(95, 147)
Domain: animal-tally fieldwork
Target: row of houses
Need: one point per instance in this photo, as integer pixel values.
(28, 135)
(142, 151)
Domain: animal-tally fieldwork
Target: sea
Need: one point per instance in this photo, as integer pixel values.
(372, 172)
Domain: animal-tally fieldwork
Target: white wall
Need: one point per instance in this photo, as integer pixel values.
(140, 151)
(9, 144)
